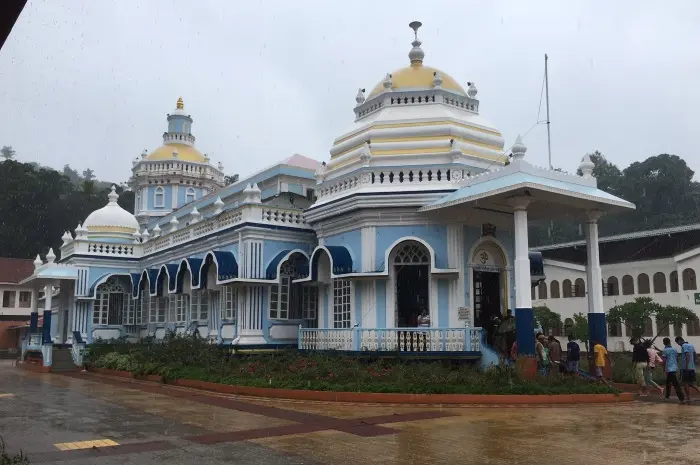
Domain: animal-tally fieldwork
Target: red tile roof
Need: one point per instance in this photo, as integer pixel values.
(14, 270)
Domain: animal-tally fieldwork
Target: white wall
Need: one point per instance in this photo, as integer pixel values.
(10, 295)
(567, 307)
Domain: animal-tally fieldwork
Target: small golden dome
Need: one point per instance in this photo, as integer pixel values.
(180, 104)
(184, 153)
(419, 77)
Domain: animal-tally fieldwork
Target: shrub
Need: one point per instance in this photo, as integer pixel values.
(6, 459)
(188, 357)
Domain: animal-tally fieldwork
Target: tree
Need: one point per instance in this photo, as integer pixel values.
(7, 152)
(231, 179)
(671, 315)
(546, 319)
(88, 174)
(580, 329)
(71, 174)
(634, 315)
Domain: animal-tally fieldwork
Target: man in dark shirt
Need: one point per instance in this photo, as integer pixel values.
(640, 360)
(573, 354)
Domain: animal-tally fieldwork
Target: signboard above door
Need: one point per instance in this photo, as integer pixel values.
(487, 229)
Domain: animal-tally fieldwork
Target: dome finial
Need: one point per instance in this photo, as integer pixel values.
(416, 54)
(113, 196)
(180, 104)
(519, 149)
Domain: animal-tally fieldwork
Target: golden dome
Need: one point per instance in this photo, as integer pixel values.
(417, 76)
(184, 153)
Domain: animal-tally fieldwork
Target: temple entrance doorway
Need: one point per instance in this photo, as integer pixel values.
(489, 284)
(410, 274)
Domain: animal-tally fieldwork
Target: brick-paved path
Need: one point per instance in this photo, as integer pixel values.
(155, 424)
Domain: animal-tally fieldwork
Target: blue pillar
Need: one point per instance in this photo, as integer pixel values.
(525, 331)
(46, 329)
(597, 330)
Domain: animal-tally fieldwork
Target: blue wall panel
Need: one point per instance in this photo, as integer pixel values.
(352, 240)
(443, 310)
(381, 303)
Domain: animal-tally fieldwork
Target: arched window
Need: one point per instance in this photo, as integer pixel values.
(689, 281)
(542, 288)
(613, 286)
(579, 288)
(159, 198)
(189, 195)
(615, 329)
(693, 328)
(648, 328)
(673, 278)
(412, 253)
(289, 300)
(659, 283)
(643, 284)
(568, 326)
(566, 288)
(663, 328)
(112, 299)
(554, 289)
(627, 285)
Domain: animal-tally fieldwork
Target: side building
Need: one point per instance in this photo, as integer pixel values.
(661, 264)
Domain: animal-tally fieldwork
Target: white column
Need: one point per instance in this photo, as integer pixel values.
(523, 299)
(594, 275)
(47, 298)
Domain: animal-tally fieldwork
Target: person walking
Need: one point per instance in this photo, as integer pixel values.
(573, 354)
(601, 356)
(687, 367)
(542, 354)
(554, 353)
(654, 359)
(640, 361)
(671, 367)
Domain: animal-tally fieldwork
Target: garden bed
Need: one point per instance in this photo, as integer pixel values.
(186, 359)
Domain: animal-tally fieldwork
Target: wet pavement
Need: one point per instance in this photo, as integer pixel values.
(79, 418)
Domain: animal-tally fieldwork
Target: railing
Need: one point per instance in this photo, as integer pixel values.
(396, 176)
(77, 351)
(392, 340)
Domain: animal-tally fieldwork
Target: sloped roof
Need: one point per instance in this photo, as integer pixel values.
(14, 270)
(300, 161)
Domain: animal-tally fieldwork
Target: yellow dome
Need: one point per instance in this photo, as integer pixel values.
(184, 153)
(417, 77)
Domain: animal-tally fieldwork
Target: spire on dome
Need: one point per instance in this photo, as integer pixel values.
(180, 104)
(519, 149)
(113, 196)
(586, 166)
(416, 54)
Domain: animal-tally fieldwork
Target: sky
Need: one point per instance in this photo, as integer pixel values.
(90, 83)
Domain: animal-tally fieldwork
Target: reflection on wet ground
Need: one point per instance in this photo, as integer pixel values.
(152, 424)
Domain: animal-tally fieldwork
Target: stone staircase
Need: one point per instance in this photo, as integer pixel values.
(62, 360)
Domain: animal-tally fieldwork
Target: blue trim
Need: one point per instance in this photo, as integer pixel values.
(302, 266)
(226, 266)
(77, 337)
(188, 265)
(341, 260)
(135, 282)
(597, 329)
(33, 322)
(525, 331)
(152, 279)
(46, 328)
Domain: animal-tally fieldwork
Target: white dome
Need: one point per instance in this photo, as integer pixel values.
(111, 218)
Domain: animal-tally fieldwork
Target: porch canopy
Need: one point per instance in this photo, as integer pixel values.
(509, 196)
(46, 275)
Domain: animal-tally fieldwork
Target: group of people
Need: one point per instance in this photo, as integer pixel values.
(549, 355)
(646, 359)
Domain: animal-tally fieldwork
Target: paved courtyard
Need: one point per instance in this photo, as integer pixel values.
(88, 419)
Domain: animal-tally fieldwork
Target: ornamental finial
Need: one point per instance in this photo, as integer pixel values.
(180, 104)
(416, 54)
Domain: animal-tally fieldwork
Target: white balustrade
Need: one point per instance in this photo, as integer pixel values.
(392, 339)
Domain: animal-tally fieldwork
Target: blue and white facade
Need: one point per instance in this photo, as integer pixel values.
(411, 237)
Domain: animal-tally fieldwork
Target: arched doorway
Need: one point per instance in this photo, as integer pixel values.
(410, 262)
(488, 265)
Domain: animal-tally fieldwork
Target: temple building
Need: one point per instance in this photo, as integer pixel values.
(411, 236)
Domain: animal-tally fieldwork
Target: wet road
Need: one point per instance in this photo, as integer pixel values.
(86, 419)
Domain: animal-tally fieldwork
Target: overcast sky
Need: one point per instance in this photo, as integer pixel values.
(89, 83)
